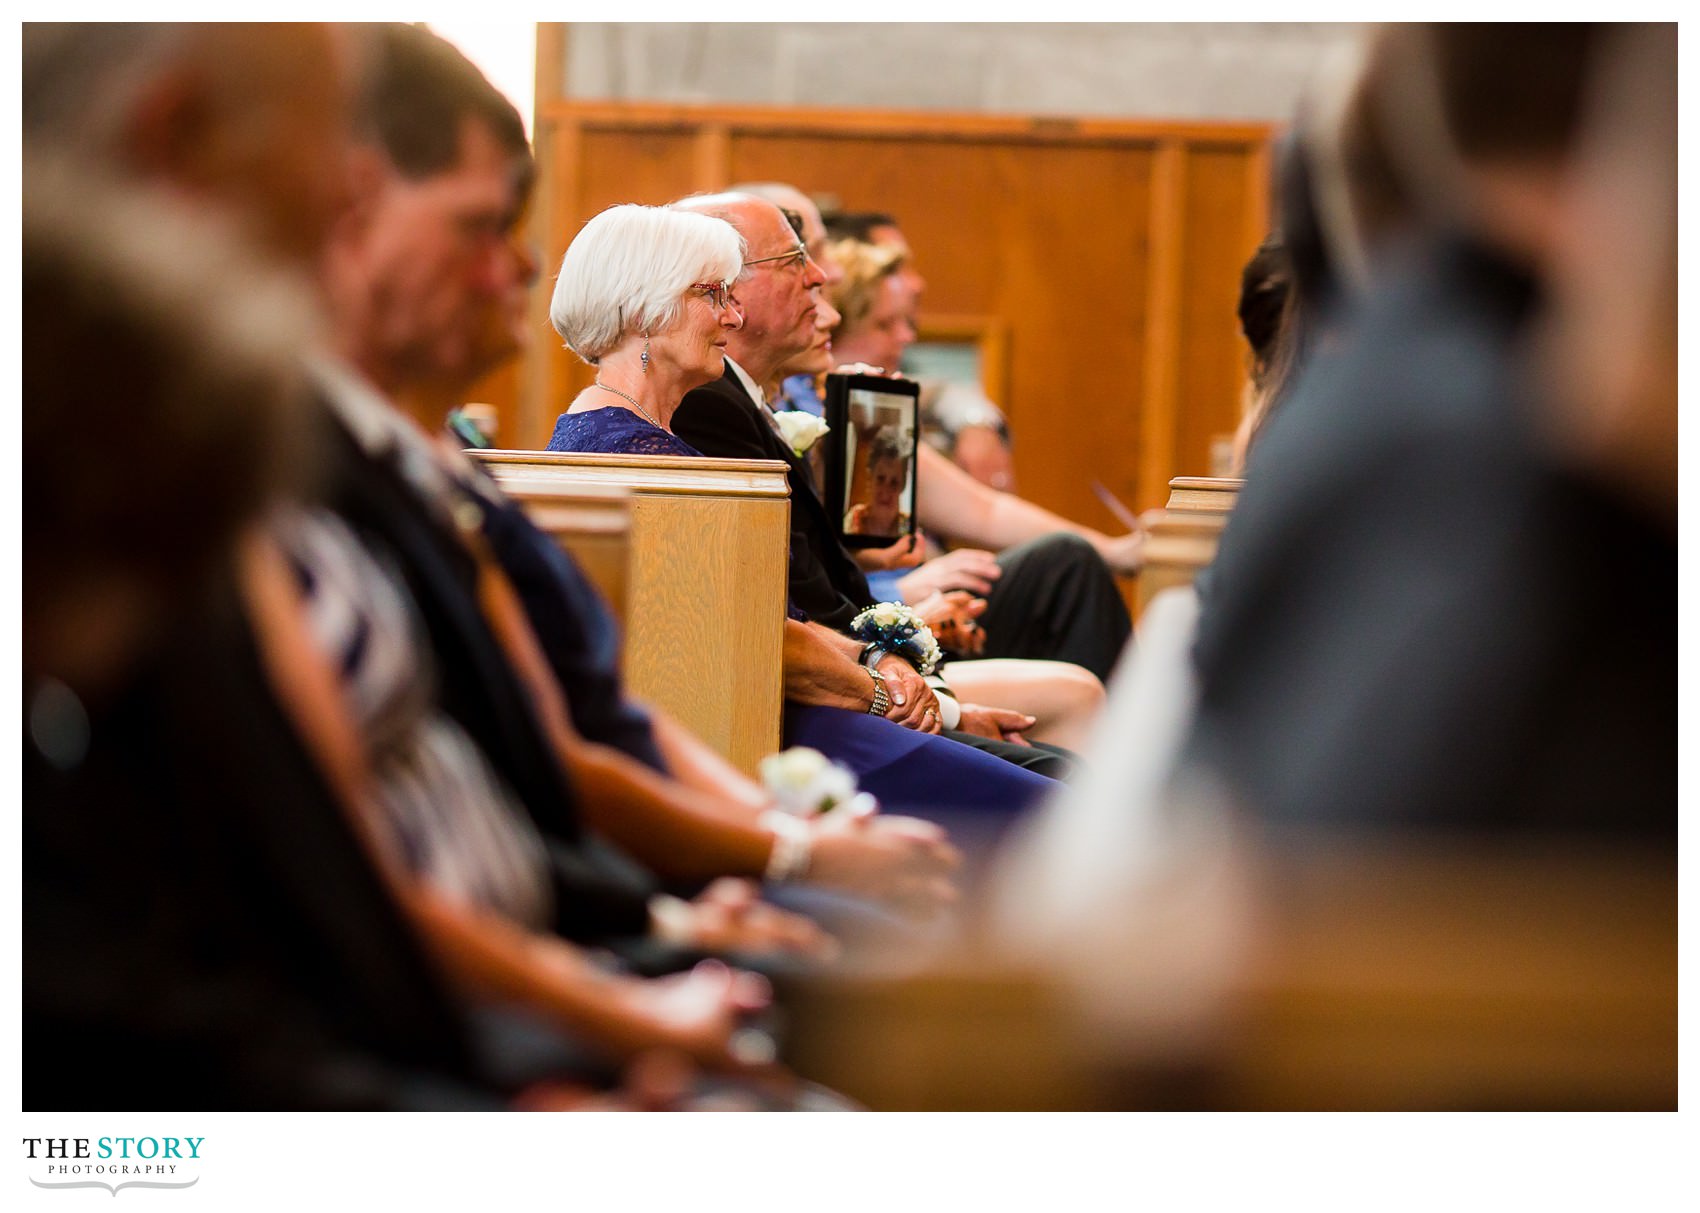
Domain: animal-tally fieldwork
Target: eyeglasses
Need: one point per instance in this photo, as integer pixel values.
(799, 254)
(718, 293)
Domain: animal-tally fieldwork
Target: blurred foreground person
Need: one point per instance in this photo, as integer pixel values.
(201, 927)
(1403, 836)
(1417, 617)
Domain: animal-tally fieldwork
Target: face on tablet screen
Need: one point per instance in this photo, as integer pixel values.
(879, 488)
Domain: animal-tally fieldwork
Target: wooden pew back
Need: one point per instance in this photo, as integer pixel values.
(703, 590)
(1184, 539)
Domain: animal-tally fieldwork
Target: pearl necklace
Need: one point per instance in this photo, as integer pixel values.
(641, 410)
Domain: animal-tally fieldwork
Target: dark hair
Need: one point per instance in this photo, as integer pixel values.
(419, 90)
(1272, 319)
(856, 225)
(1265, 286)
(1513, 90)
(794, 219)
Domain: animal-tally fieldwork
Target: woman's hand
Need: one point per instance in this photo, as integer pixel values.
(697, 1013)
(952, 618)
(905, 553)
(913, 704)
(900, 861)
(970, 569)
(1125, 554)
(729, 916)
(997, 723)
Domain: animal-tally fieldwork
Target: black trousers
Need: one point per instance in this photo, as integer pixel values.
(1056, 600)
(1051, 761)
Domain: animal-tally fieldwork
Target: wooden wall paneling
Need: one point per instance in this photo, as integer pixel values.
(1210, 363)
(712, 160)
(1070, 253)
(814, 122)
(550, 78)
(599, 168)
(559, 148)
(1162, 329)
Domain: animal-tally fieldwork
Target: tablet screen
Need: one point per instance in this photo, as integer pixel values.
(871, 460)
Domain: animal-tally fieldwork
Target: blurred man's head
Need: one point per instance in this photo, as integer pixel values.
(1484, 120)
(1610, 347)
(143, 461)
(779, 289)
(251, 118)
(427, 274)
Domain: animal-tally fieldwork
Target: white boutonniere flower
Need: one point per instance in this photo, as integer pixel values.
(805, 782)
(801, 430)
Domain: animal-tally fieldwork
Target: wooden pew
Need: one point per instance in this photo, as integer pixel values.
(1184, 539)
(592, 522)
(1358, 974)
(701, 591)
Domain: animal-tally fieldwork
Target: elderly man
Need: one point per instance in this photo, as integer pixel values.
(1047, 587)
(779, 292)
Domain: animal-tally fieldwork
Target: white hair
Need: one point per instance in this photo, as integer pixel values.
(628, 269)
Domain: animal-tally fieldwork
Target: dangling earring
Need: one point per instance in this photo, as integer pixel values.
(644, 357)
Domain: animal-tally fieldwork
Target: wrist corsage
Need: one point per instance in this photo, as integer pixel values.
(893, 628)
(800, 430)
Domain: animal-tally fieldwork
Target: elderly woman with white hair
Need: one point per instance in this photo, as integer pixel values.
(645, 295)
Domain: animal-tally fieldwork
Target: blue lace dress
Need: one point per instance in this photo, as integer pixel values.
(910, 772)
(615, 431)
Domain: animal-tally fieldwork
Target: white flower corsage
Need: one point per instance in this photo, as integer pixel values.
(806, 783)
(897, 629)
(801, 430)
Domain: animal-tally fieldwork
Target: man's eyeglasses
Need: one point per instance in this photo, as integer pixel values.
(800, 255)
(718, 293)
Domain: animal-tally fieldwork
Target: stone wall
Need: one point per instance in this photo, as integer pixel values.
(1149, 70)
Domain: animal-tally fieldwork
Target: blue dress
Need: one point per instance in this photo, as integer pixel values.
(918, 774)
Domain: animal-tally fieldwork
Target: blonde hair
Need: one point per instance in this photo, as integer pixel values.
(865, 267)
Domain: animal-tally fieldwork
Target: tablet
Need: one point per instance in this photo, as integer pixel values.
(870, 457)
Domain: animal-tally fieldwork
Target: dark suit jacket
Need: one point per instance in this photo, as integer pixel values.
(600, 893)
(721, 420)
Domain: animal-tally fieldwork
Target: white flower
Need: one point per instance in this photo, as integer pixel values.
(887, 616)
(805, 782)
(802, 430)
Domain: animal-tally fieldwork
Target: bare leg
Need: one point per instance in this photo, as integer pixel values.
(1065, 698)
